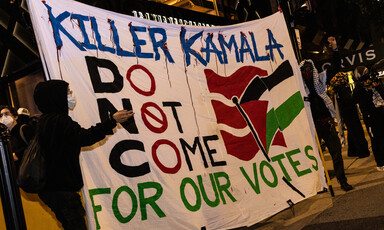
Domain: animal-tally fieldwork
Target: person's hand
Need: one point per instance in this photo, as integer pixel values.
(375, 84)
(332, 42)
(15, 158)
(122, 115)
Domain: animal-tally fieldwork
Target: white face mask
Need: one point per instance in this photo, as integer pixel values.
(7, 120)
(71, 101)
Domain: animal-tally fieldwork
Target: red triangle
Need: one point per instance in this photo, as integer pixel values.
(279, 139)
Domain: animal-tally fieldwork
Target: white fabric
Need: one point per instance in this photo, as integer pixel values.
(186, 117)
(320, 84)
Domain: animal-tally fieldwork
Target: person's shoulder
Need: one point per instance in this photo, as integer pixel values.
(16, 129)
(66, 120)
(17, 126)
(58, 120)
(27, 127)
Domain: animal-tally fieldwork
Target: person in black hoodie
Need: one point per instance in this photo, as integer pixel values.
(370, 97)
(357, 144)
(61, 139)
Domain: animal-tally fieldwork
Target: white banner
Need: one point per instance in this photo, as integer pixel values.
(220, 137)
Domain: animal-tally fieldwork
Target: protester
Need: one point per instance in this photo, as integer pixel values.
(369, 94)
(323, 110)
(60, 140)
(23, 115)
(357, 144)
(21, 133)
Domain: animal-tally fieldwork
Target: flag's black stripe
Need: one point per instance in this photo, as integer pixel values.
(254, 133)
(284, 71)
(259, 85)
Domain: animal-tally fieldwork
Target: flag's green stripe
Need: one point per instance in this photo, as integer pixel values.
(288, 111)
(283, 116)
(272, 126)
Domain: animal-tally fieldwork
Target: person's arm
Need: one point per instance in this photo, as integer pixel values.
(336, 60)
(356, 93)
(100, 130)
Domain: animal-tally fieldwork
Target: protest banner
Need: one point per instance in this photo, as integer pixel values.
(220, 137)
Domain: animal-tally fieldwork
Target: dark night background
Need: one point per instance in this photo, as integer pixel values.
(358, 25)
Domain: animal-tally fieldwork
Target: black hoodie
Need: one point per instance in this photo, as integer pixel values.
(61, 138)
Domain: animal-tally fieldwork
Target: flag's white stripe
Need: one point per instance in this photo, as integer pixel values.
(236, 132)
(221, 98)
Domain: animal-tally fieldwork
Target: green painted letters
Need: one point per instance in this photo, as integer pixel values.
(255, 186)
(115, 207)
(223, 187)
(97, 208)
(190, 207)
(296, 163)
(272, 184)
(150, 200)
(204, 194)
(308, 147)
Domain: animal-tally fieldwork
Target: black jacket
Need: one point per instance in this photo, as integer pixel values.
(17, 143)
(364, 98)
(61, 138)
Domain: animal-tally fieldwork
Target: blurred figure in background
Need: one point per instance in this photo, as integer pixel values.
(369, 93)
(357, 144)
(21, 133)
(23, 115)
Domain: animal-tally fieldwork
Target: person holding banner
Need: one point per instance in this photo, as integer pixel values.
(323, 111)
(61, 139)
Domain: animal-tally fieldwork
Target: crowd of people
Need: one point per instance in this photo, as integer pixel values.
(367, 95)
(61, 138)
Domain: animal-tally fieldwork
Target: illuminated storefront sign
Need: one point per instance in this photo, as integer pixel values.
(365, 57)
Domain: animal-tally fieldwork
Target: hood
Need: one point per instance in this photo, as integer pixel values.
(51, 96)
(307, 62)
(359, 72)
